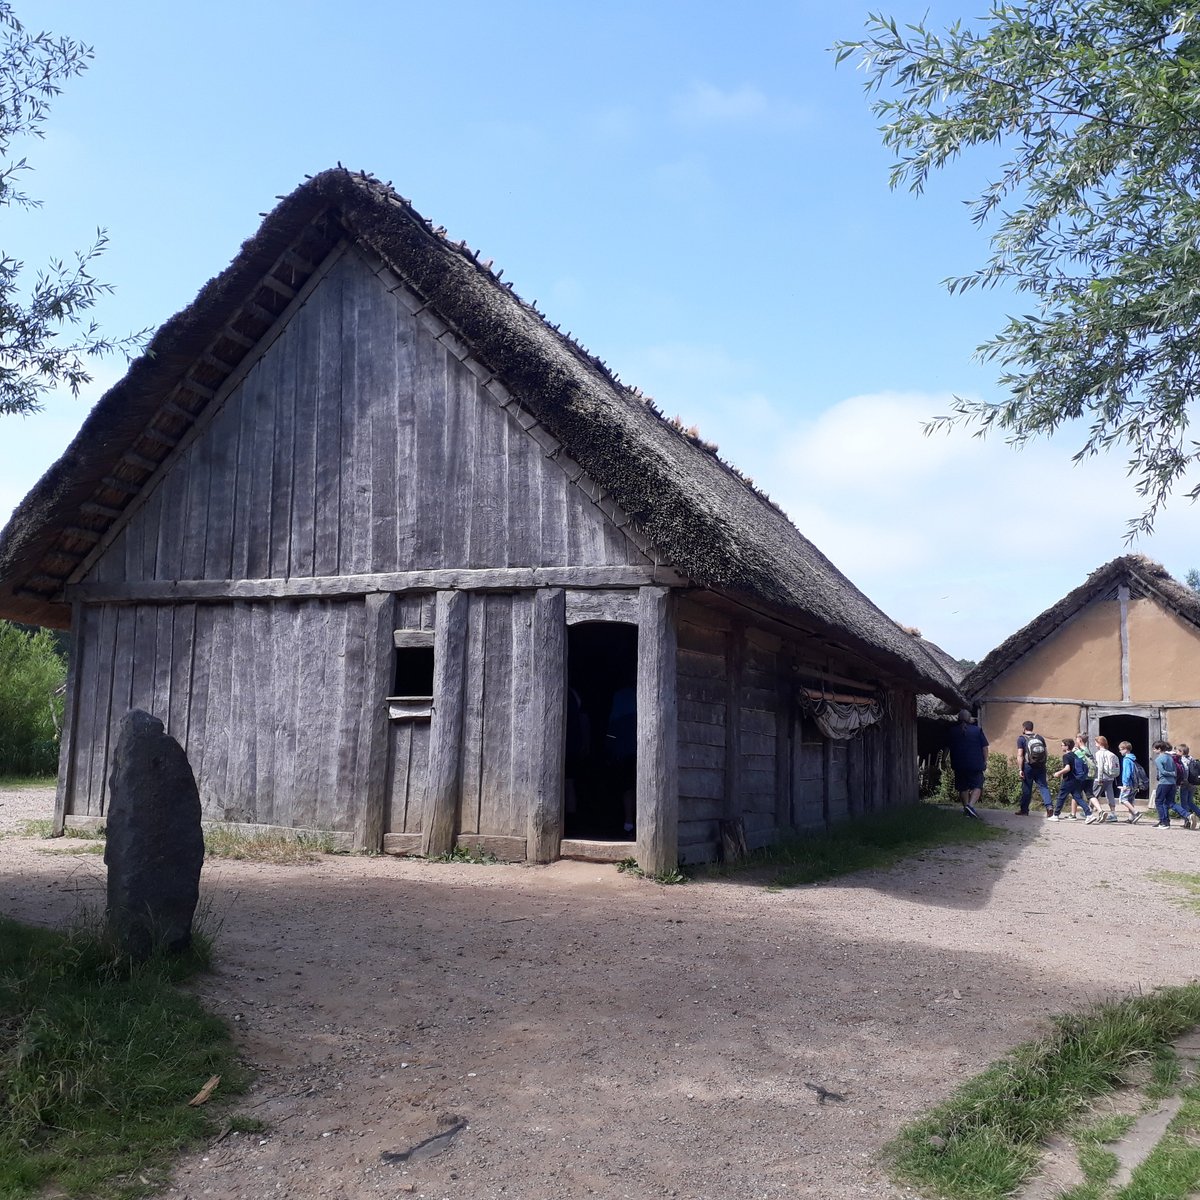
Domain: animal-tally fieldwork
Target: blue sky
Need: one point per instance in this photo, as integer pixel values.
(692, 189)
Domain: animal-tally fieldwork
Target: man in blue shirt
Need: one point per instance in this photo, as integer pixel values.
(968, 758)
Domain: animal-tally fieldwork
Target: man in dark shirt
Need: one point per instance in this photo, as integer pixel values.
(968, 758)
(1031, 762)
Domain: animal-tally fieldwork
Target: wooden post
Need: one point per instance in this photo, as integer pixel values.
(544, 727)
(657, 734)
(66, 754)
(378, 660)
(445, 735)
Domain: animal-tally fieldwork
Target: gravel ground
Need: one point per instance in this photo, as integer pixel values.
(602, 1035)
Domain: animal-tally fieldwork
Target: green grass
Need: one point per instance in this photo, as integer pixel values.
(1189, 883)
(12, 783)
(874, 842)
(102, 1058)
(464, 852)
(274, 847)
(1172, 1169)
(984, 1141)
(629, 866)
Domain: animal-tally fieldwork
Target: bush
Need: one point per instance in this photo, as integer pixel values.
(1001, 782)
(31, 706)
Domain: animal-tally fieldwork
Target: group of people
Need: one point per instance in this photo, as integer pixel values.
(1085, 776)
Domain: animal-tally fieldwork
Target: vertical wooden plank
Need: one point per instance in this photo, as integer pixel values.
(543, 729)
(183, 633)
(585, 530)
(391, 444)
(268, 699)
(240, 798)
(365, 400)
(288, 639)
(418, 777)
(222, 438)
(476, 685)
(521, 512)
(164, 620)
(285, 399)
(826, 780)
(1123, 601)
(142, 532)
(312, 649)
(124, 650)
(784, 724)
(500, 810)
(194, 467)
(445, 749)
(244, 471)
(487, 512)
(458, 465)
(65, 792)
(261, 463)
(399, 735)
(431, 452)
(333, 470)
(524, 763)
(311, 349)
(197, 717)
(214, 786)
(371, 785)
(657, 733)
(170, 531)
(552, 494)
(104, 623)
(348, 789)
(735, 659)
(141, 692)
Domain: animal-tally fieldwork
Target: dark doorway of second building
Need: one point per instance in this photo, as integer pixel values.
(1122, 727)
(601, 765)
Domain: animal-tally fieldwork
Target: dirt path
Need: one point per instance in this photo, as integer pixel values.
(602, 1035)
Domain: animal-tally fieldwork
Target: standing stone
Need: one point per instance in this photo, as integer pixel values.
(155, 845)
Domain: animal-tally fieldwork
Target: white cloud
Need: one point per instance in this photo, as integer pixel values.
(705, 104)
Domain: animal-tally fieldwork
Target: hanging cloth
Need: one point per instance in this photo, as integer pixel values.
(840, 716)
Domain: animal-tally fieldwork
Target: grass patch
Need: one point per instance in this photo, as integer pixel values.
(103, 1056)
(629, 866)
(272, 847)
(985, 1140)
(14, 783)
(466, 853)
(1172, 1169)
(89, 848)
(1189, 883)
(874, 842)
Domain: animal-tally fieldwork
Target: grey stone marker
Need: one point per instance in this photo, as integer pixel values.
(155, 845)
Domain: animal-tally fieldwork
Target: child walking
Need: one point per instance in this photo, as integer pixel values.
(1130, 781)
(1071, 777)
(1164, 793)
(1108, 772)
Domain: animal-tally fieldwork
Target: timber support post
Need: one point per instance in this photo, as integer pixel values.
(657, 733)
(378, 658)
(545, 725)
(65, 791)
(445, 735)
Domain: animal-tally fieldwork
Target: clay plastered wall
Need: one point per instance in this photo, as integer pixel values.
(1081, 660)
(1002, 724)
(1164, 655)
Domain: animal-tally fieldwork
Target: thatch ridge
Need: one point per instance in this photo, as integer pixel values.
(699, 513)
(1143, 574)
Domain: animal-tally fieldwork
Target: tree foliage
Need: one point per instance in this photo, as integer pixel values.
(46, 336)
(1094, 210)
(31, 675)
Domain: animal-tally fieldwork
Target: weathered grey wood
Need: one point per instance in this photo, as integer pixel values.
(402, 843)
(213, 778)
(240, 796)
(399, 752)
(544, 726)
(402, 638)
(657, 735)
(221, 461)
(474, 682)
(372, 781)
(502, 807)
(504, 848)
(338, 839)
(595, 851)
(216, 403)
(602, 605)
(492, 579)
(488, 518)
(785, 723)
(445, 749)
(270, 804)
(700, 733)
(289, 376)
(1123, 599)
(66, 748)
(309, 486)
(702, 783)
(344, 717)
(312, 649)
(334, 400)
(734, 683)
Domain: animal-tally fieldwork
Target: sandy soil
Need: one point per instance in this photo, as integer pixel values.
(601, 1035)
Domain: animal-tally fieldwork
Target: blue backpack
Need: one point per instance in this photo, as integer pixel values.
(1081, 767)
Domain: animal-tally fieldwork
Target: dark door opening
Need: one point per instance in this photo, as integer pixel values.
(1122, 727)
(601, 759)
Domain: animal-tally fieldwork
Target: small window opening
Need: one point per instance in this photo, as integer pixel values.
(414, 671)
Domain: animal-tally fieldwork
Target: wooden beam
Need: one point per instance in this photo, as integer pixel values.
(502, 579)
(657, 734)
(92, 509)
(373, 744)
(65, 791)
(445, 738)
(409, 638)
(544, 727)
(82, 535)
(735, 657)
(134, 459)
(602, 605)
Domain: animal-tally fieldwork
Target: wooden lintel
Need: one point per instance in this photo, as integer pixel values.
(502, 579)
(408, 638)
(1106, 705)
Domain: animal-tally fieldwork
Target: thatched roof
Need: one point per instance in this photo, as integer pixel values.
(1144, 578)
(933, 707)
(704, 519)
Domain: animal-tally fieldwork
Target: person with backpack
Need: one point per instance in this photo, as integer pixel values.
(1188, 780)
(1164, 792)
(1031, 762)
(1072, 778)
(1133, 780)
(1082, 751)
(1108, 772)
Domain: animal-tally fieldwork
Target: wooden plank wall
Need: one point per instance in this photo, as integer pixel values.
(358, 443)
(264, 696)
(408, 740)
(746, 752)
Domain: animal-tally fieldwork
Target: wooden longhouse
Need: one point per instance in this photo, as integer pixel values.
(381, 546)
